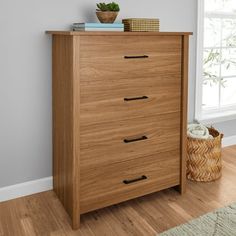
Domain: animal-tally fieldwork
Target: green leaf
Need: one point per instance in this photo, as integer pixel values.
(108, 7)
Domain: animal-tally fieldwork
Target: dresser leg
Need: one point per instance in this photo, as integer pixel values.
(76, 223)
(181, 189)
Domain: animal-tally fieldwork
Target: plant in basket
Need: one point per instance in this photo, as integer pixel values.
(107, 12)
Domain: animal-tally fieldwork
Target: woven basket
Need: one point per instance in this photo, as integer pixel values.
(204, 162)
(141, 25)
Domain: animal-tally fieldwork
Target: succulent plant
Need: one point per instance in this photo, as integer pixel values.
(108, 6)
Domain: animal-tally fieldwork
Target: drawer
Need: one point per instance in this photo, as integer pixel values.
(119, 141)
(120, 109)
(106, 74)
(103, 185)
(115, 46)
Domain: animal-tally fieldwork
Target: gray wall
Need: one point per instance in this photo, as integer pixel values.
(25, 73)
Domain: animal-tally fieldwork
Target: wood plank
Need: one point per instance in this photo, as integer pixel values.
(28, 226)
(184, 117)
(65, 124)
(117, 110)
(62, 124)
(100, 182)
(154, 48)
(104, 143)
(76, 33)
(131, 222)
(117, 87)
(76, 133)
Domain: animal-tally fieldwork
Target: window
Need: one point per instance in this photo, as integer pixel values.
(216, 60)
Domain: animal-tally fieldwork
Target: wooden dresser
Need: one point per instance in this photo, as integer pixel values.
(119, 116)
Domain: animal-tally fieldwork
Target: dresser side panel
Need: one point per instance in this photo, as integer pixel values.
(63, 120)
(184, 108)
(76, 133)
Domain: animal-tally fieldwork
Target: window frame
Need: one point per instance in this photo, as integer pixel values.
(212, 115)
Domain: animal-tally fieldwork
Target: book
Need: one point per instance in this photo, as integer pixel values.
(98, 25)
(98, 29)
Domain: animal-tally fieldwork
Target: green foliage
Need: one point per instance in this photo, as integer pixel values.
(108, 7)
(214, 58)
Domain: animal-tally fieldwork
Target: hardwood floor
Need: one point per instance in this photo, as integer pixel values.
(42, 214)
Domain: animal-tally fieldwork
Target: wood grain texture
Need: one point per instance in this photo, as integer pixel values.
(107, 78)
(103, 33)
(92, 81)
(62, 123)
(121, 86)
(102, 185)
(76, 133)
(104, 143)
(117, 47)
(42, 214)
(118, 110)
(184, 116)
(65, 125)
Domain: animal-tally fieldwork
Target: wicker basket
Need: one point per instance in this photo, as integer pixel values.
(204, 161)
(141, 25)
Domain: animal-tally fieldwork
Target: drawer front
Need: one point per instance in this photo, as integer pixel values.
(103, 185)
(130, 90)
(120, 109)
(105, 73)
(132, 47)
(118, 141)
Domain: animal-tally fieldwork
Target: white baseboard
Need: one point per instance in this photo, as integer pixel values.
(26, 188)
(229, 141)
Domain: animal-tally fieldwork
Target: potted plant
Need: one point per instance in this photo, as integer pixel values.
(107, 13)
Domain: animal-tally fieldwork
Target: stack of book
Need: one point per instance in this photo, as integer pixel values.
(98, 27)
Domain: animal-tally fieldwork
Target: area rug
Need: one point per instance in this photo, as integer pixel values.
(221, 222)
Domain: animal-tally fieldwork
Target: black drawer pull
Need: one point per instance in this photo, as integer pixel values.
(135, 98)
(135, 140)
(130, 181)
(136, 57)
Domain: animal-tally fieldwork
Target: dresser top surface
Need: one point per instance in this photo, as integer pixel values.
(105, 33)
